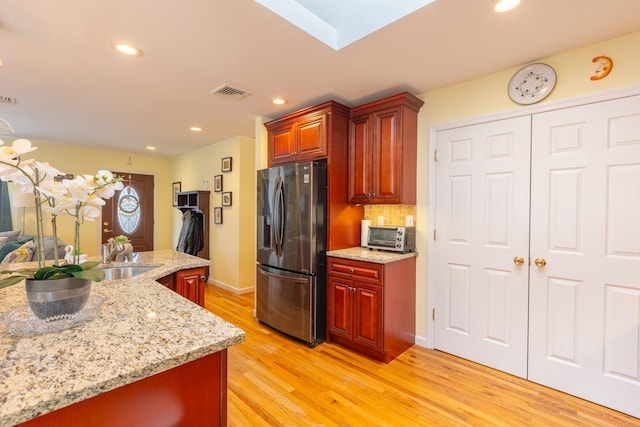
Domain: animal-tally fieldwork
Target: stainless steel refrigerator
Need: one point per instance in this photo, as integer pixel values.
(291, 271)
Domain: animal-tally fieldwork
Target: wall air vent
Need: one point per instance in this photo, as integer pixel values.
(7, 99)
(227, 91)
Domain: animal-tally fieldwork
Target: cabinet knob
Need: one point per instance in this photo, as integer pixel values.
(351, 270)
(518, 260)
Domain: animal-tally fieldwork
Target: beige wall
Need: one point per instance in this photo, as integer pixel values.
(232, 248)
(488, 95)
(87, 161)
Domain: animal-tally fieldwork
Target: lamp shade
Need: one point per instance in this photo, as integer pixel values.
(23, 200)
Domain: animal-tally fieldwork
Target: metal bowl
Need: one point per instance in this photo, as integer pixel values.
(55, 298)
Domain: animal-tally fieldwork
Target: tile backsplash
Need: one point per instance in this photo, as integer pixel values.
(393, 214)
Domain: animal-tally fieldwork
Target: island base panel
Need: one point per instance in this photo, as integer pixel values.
(193, 394)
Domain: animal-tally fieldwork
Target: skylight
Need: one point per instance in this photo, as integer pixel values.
(338, 23)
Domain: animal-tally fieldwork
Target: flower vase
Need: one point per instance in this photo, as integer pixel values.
(55, 299)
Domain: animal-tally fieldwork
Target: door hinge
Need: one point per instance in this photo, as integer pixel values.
(434, 234)
(433, 314)
(435, 155)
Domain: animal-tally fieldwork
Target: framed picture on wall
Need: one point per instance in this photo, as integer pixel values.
(176, 187)
(217, 183)
(217, 215)
(226, 164)
(226, 198)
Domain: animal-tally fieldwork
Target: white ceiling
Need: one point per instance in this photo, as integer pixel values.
(71, 87)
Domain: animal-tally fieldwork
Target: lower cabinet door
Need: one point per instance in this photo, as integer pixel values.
(340, 306)
(190, 286)
(367, 316)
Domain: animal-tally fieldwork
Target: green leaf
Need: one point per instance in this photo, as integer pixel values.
(70, 269)
(93, 275)
(45, 272)
(11, 280)
(88, 265)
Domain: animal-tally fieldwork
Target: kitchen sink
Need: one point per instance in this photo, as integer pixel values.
(126, 271)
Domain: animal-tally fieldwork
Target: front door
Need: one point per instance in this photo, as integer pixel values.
(584, 310)
(130, 212)
(482, 243)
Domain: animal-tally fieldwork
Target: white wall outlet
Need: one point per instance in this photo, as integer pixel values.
(409, 221)
(380, 219)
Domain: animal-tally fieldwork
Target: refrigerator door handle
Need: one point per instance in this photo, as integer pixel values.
(288, 278)
(278, 216)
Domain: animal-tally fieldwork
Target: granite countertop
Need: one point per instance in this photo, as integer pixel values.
(142, 329)
(375, 256)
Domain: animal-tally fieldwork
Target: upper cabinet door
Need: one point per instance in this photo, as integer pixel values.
(382, 151)
(311, 138)
(360, 158)
(306, 134)
(281, 144)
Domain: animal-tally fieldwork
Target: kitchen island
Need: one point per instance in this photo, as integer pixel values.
(151, 357)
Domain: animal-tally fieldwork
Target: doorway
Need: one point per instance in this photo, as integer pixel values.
(131, 212)
(544, 261)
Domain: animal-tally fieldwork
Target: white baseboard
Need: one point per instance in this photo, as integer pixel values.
(229, 288)
(421, 341)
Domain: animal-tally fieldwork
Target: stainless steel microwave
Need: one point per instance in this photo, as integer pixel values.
(396, 239)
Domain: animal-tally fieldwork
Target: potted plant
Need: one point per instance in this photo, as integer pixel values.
(57, 289)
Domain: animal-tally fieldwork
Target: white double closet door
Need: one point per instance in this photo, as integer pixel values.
(537, 251)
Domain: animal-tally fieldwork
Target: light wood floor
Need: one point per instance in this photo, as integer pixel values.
(276, 381)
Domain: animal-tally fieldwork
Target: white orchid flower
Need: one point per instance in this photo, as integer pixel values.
(12, 154)
(79, 188)
(22, 146)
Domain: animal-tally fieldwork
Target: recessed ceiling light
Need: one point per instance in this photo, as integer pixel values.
(279, 101)
(196, 129)
(502, 6)
(151, 148)
(127, 49)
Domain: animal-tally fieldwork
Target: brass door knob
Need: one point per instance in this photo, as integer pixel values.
(518, 260)
(540, 262)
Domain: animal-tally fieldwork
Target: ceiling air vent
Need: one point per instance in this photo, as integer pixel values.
(227, 91)
(7, 99)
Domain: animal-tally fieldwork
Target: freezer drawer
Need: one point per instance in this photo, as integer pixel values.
(288, 302)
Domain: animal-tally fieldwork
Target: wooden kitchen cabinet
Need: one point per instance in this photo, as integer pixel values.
(383, 137)
(320, 133)
(193, 394)
(306, 134)
(371, 307)
(168, 281)
(190, 284)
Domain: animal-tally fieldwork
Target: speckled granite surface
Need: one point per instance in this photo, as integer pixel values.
(142, 329)
(375, 256)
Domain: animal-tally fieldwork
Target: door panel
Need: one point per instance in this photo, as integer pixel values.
(141, 236)
(340, 306)
(482, 223)
(585, 302)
